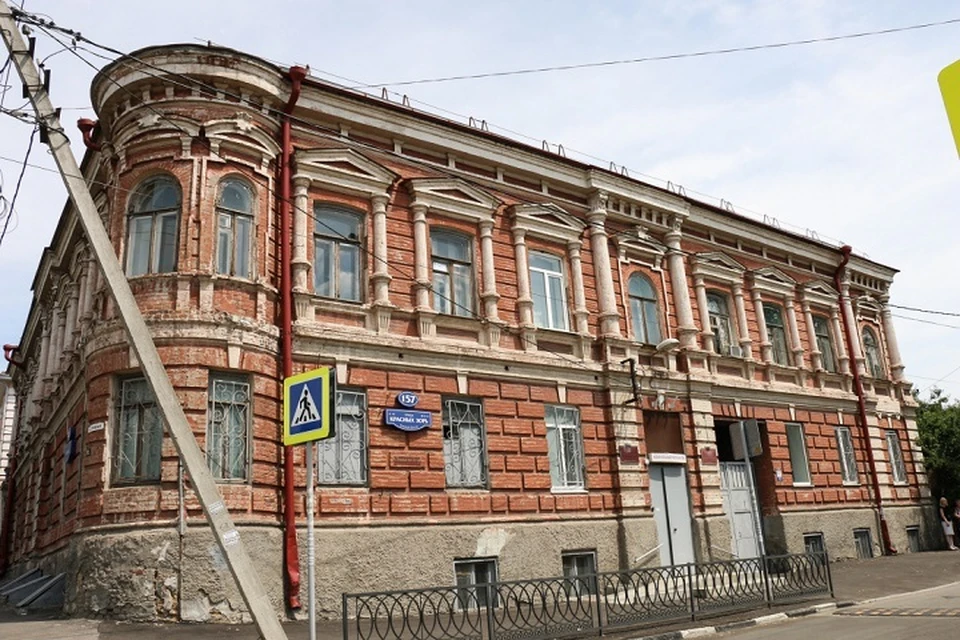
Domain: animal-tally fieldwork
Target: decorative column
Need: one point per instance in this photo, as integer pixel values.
(422, 285)
(57, 351)
(581, 315)
(603, 272)
(794, 331)
(70, 325)
(687, 330)
(707, 331)
(381, 276)
(741, 310)
(851, 320)
(528, 330)
(838, 340)
(766, 349)
(816, 358)
(43, 365)
(489, 296)
(893, 347)
(301, 266)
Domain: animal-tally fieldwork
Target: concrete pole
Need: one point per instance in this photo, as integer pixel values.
(227, 536)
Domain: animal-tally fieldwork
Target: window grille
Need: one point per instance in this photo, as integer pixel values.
(139, 433)
(342, 459)
(228, 427)
(813, 543)
(465, 460)
(913, 539)
(565, 447)
(848, 458)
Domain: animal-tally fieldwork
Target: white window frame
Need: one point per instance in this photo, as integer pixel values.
(217, 422)
(898, 468)
(157, 218)
(848, 457)
(720, 322)
(451, 269)
(337, 242)
(333, 453)
(559, 438)
(229, 224)
(801, 453)
(548, 301)
(777, 329)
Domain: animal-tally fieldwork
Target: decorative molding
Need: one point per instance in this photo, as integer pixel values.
(772, 280)
(454, 197)
(640, 248)
(718, 266)
(820, 294)
(343, 170)
(547, 221)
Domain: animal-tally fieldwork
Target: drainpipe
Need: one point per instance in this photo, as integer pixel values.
(291, 563)
(888, 548)
(86, 126)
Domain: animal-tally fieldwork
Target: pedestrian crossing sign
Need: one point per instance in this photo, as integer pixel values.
(307, 401)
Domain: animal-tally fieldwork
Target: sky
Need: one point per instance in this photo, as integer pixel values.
(846, 139)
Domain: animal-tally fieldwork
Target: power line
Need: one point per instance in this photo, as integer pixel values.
(938, 324)
(672, 56)
(922, 310)
(16, 190)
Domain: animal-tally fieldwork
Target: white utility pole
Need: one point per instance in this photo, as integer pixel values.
(141, 341)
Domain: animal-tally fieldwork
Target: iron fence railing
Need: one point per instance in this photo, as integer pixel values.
(584, 605)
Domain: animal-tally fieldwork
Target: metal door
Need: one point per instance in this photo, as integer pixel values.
(740, 506)
(671, 511)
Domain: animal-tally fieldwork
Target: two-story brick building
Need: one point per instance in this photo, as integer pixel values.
(507, 286)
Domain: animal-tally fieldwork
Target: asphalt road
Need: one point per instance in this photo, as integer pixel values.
(932, 613)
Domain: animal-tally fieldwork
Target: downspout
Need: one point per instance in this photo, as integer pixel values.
(86, 127)
(291, 563)
(888, 548)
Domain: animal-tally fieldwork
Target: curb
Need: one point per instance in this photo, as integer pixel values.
(773, 618)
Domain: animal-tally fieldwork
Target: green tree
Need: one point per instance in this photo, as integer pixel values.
(938, 423)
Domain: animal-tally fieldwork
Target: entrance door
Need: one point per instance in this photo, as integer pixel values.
(739, 504)
(671, 511)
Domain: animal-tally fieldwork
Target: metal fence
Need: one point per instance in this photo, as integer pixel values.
(585, 605)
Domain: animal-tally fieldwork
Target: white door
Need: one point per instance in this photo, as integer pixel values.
(740, 506)
(671, 511)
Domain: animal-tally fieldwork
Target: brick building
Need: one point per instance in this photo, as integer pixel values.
(507, 286)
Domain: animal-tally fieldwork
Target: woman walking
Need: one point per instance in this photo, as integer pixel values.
(946, 520)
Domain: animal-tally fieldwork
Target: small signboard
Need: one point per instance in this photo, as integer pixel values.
(307, 401)
(408, 419)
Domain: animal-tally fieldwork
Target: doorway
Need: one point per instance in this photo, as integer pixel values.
(671, 511)
(739, 501)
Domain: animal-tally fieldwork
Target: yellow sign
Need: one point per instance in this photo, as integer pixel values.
(307, 401)
(949, 81)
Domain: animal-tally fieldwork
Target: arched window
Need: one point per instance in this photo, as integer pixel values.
(719, 313)
(235, 228)
(337, 241)
(452, 273)
(871, 351)
(643, 310)
(152, 221)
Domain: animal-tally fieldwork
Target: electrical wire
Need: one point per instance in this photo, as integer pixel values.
(922, 310)
(660, 58)
(922, 321)
(16, 190)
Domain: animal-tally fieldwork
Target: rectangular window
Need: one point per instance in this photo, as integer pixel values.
(548, 290)
(233, 244)
(342, 459)
(473, 576)
(464, 452)
(337, 264)
(897, 467)
(863, 541)
(776, 333)
(913, 539)
(828, 360)
(139, 433)
(565, 447)
(798, 453)
(228, 426)
(719, 315)
(848, 459)
(578, 569)
(813, 543)
(452, 273)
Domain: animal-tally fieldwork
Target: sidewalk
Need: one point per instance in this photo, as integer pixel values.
(854, 581)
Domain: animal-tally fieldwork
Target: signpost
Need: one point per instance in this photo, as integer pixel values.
(308, 415)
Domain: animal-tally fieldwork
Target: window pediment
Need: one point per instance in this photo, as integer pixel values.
(820, 293)
(868, 307)
(718, 266)
(454, 197)
(241, 133)
(343, 170)
(547, 221)
(772, 280)
(640, 247)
